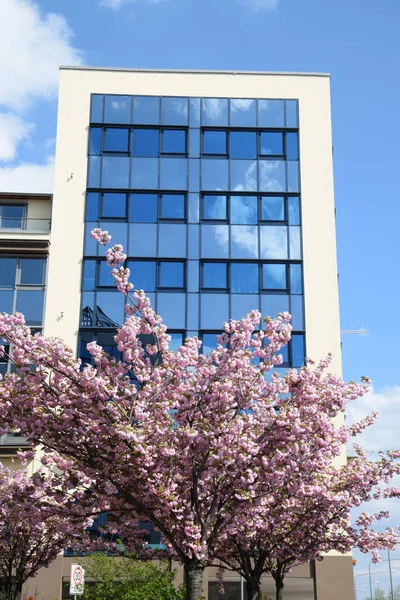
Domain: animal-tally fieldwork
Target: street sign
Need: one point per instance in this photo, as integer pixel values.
(77, 580)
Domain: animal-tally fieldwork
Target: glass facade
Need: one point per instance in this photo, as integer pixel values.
(204, 193)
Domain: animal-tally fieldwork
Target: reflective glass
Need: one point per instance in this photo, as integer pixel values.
(243, 144)
(142, 239)
(115, 172)
(194, 175)
(110, 309)
(296, 279)
(274, 277)
(172, 274)
(291, 113)
(244, 210)
(172, 308)
(90, 246)
(214, 207)
(118, 232)
(214, 174)
(244, 278)
(7, 301)
(214, 241)
(105, 278)
(294, 210)
(107, 341)
(215, 112)
(284, 352)
(297, 312)
(143, 275)
(194, 143)
(30, 304)
(214, 310)
(175, 111)
(273, 242)
(143, 208)
(271, 113)
(89, 275)
(193, 208)
(172, 241)
(145, 142)
(298, 350)
(209, 342)
(243, 113)
(92, 206)
(244, 241)
(194, 112)
(292, 146)
(12, 216)
(172, 206)
(242, 304)
(95, 141)
(272, 175)
(174, 345)
(173, 173)
(273, 208)
(144, 173)
(194, 241)
(8, 268)
(193, 311)
(94, 164)
(117, 109)
(271, 143)
(295, 243)
(272, 304)
(174, 141)
(243, 176)
(96, 108)
(193, 275)
(293, 177)
(32, 271)
(114, 205)
(146, 110)
(214, 142)
(116, 139)
(215, 275)
(87, 310)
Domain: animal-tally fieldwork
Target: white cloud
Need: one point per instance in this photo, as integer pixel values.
(116, 4)
(27, 177)
(13, 129)
(259, 5)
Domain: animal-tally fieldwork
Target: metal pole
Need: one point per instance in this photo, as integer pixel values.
(370, 582)
(390, 575)
(241, 589)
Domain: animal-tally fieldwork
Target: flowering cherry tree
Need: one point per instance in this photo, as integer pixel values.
(196, 444)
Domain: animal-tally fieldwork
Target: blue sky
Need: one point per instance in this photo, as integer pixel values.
(356, 41)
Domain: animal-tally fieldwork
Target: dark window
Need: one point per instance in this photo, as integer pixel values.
(32, 271)
(243, 144)
(92, 206)
(95, 143)
(172, 206)
(292, 146)
(209, 342)
(114, 205)
(172, 274)
(244, 210)
(296, 279)
(273, 208)
(105, 278)
(214, 142)
(30, 304)
(145, 142)
(143, 275)
(214, 207)
(274, 277)
(12, 216)
(174, 141)
(298, 350)
(143, 208)
(8, 268)
(244, 278)
(214, 275)
(271, 143)
(116, 139)
(89, 275)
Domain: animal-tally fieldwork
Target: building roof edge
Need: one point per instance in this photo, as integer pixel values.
(193, 71)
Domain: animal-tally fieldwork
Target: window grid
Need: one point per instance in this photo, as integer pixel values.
(98, 141)
(13, 216)
(17, 279)
(289, 148)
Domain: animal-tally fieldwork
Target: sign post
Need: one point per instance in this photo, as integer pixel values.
(77, 583)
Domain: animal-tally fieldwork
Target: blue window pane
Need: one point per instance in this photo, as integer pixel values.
(30, 304)
(274, 277)
(298, 350)
(142, 240)
(143, 275)
(95, 141)
(292, 146)
(194, 241)
(244, 241)
(214, 241)
(215, 275)
(145, 142)
(293, 176)
(272, 304)
(114, 205)
(295, 243)
(117, 109)
(8, 267)
(32, 271)
(144, 173)
(175, 111)
(12, 216)
(110, 309)
(284, 352)
(172, 308)
(193, 276)
(172, 274)
(271, 143)
(242, 304)
(193, 208)
(194, 175)
(175, 343)
(209, 342)
(89, 275)
(215, 208)
(243, 144)
(115, 172)
(244, 278)
(106, 340)
(116, 139)
(194, 143)
(94, 165)
(272, 175)
(215, 112)
(271, 113)
(273, 242)
(118, 232)
(173, 173)
(214, 174)
(243, 176)
(244, 210)
(194, 112)
(291, 113)
(90, 246)
(214, 310)
(243, 113)
(294, 210)
(214, 142)
(172, 241)
(193, 311)
(105, 278)
(296, 279)
(297, 312)
(173, 206)
(96, 108)
(6, 302)
(92, 206)
(174, 141)
(146, 110)
(143, 208)
(273, 208)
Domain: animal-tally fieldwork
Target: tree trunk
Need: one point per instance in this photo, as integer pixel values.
(194, 581)
(279, 589)
(253, 589)
(10, 590)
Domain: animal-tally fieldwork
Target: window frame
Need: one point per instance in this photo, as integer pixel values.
(163, 152)
(22, 219)
(213, 154)
(260, 195)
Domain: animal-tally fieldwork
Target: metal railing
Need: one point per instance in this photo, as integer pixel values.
(17, 224)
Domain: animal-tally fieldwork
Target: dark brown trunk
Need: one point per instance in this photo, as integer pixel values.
(279, 589)
(253, 589)
(194, 581)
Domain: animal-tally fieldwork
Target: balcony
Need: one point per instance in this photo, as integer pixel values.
(12, 225)
(11, 442)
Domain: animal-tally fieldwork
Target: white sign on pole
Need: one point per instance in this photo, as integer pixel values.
(77, 580)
